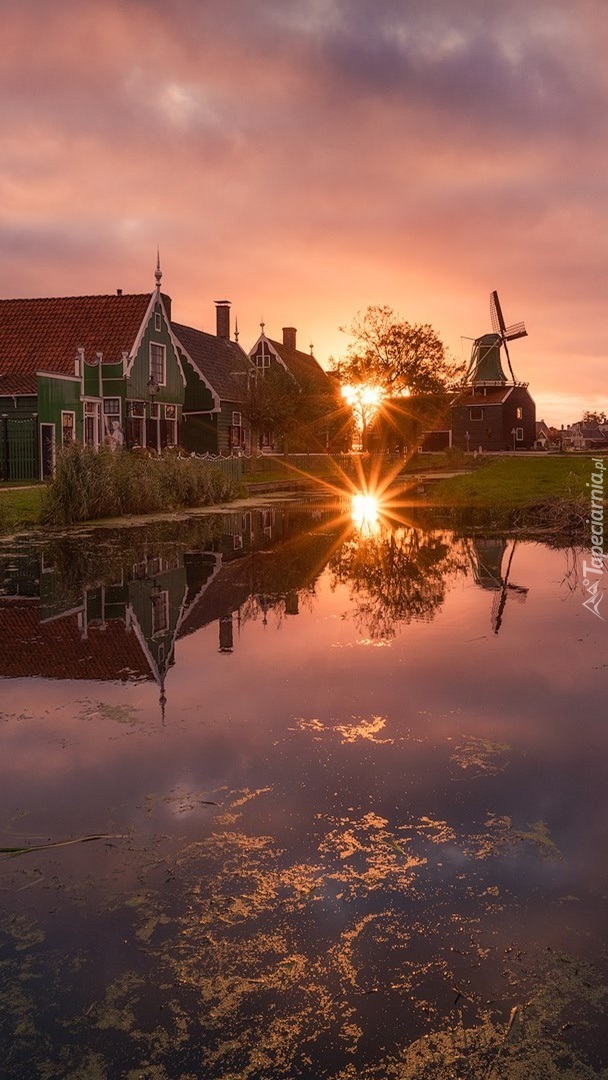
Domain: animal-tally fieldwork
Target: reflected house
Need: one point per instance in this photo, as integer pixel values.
(124, 630)
(58, 622)
(487, 556)
(279, 561)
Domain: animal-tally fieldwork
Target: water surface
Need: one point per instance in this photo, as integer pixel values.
(349, 784)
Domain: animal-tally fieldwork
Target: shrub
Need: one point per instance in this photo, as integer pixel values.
(89, 484)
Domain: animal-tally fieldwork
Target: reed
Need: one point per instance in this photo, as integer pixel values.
(89, 485)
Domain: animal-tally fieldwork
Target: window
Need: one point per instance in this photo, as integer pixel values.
(262, 356)
(519, 413)
(160, 611)
(168, 427)
(91, 423)
(236, 419)
(68, 433)
(154, 410)
(476, 414)
(157, 362)
(113, 436)
(136, 412)
(158, 325)
(519, 434)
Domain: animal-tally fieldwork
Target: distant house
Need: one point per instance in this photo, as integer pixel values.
(491, 413)
(408, 423)
(217, 371)
(584, 436)
(306, 373)
(96, 369)
(543, 435)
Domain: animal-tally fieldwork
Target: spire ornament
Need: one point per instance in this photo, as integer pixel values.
(158, 274)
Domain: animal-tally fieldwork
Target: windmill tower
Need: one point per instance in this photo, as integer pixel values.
(494, 411)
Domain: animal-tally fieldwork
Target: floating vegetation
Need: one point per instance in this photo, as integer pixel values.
(481, 756)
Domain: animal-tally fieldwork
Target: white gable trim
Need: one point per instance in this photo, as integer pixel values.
(155, 298)
(217, 405)
(271, 349)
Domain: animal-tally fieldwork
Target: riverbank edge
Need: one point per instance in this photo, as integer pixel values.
(560, 520)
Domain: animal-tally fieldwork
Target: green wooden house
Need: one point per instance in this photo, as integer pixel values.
(97, 369)
(217, 370)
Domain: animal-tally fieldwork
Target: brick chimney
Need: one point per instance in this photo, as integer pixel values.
(289, 337)
(222, 317)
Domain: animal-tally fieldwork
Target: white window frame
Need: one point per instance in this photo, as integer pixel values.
(68, 412)
(92, 410)
(519, 413)
(161, 599)
(158, 345)
(474, 409)
(236, 419)
(519, 434)
(158, 322)
(170, 412)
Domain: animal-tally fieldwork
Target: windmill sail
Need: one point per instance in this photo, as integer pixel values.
(504, 332)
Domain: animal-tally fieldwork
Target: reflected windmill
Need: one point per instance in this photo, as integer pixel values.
(487, 556)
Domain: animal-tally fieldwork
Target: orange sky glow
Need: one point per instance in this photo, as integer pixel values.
(308, 159)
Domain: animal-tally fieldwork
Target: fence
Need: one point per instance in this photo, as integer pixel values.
(232, 467)
(324, 464)
(18, 448)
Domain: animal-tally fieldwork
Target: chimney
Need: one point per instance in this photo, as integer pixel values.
(222, 315)
(289, 337)
(119, 292)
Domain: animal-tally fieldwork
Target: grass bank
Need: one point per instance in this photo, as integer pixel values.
(540, 493)
(20, 508)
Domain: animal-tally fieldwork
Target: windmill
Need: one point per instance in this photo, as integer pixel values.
(504, 332)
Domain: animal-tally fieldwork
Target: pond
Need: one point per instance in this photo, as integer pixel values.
(298, 791)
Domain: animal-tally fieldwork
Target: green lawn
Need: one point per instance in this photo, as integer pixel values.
(20, 507)
(511, 483)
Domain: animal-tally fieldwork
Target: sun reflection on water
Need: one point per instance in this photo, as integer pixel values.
(365, 512)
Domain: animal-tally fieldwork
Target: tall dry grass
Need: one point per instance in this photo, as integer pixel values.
(88, 485)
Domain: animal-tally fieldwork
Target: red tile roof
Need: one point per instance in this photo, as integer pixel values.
(44, 334)
(18, 384)
(56, 650)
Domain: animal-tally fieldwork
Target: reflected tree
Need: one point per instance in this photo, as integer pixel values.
(396, 576)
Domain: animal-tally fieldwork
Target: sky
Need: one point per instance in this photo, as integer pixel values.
(308, 158)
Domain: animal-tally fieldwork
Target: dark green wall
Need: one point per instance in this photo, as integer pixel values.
(173, 392)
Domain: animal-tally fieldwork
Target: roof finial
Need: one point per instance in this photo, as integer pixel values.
(158, 274)
(311, 349)
(262, 323)
(236, 328)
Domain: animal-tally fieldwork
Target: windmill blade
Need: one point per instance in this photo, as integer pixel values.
(504, 341)
(517, 330)
(498, 322)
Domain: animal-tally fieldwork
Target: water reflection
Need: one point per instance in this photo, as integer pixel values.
(332, 860)
(114, 605)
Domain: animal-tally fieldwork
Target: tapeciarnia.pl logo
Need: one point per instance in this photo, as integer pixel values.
(594, 571)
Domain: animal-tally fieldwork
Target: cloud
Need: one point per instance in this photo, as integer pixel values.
(310, 159)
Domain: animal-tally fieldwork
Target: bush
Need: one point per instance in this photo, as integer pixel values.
(88, 485)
